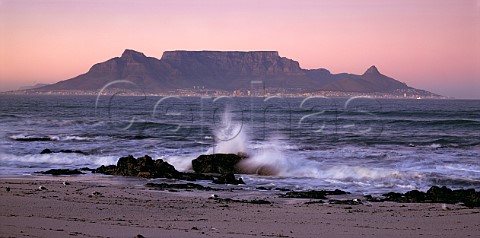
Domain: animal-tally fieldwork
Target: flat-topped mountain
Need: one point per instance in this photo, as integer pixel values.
(222, 70)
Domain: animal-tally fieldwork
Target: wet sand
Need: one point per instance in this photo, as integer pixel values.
(93, 206)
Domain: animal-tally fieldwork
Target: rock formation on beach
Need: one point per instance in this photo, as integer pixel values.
(469, 197)
(141, 167)
(220, 169)
(223, 70)
(147, 167)
(216, 163)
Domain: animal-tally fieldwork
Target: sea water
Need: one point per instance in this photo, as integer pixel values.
(361, 145)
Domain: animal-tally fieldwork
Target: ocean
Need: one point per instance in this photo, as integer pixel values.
(360, 145)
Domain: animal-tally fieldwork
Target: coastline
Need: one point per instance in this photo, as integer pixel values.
(286, 93)
(103, 206)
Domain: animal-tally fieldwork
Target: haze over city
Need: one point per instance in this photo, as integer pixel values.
(432, 45)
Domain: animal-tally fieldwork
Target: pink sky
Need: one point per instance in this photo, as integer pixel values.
(429, 44)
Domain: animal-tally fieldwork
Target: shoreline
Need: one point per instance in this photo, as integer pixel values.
(329, 94)
(102, 206)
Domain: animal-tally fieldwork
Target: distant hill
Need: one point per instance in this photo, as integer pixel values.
(223, 70)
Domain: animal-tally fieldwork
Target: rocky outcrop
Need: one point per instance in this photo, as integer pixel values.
(312, 194)
(435, 194)
(228, 179)
(183, 186)
(223, 164)
(232, 63)
(379, 82)
(216, 163)
(31, 139)
(144, 167)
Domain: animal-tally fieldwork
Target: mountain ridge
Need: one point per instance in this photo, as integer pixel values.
(223, 70)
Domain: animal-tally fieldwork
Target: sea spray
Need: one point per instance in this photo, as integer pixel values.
(230, 136)
(267, 159)
(180, 163)
(272, 159)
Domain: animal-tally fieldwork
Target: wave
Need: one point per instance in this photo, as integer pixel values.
(434, 122)
(48, 160)
(463, 122)
(456, 182)
(12, 116)
(273, 159)
(31, 138)
(181, 163)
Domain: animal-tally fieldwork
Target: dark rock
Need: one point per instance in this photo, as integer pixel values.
(185, 186)
(146, 167)
(109, 169)
(61, 172)
(370, 198)
(435, 194)
(228, 179)
(48, 151)
(263, 188)
(336, 192)
(195, 176)
(258, 201)
(86, 169)
(142, 167)
(307, 194)
(442, 194)
(415, 196)
(312, 194)
(216, 163)
(127, 166)
(30, 139)
(164, 169)
(392, 196)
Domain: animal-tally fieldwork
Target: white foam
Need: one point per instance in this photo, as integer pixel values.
(230, 136)
(74, 138)
(267, 159)
(271, 158)
(435, 146)
(60, 159)
(182, 164)
(51, 137)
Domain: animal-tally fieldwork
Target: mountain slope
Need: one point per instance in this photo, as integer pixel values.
(222, 70)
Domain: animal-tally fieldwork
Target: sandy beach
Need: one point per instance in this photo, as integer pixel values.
(99, 206)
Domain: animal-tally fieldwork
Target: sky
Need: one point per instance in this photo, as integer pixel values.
(428, 44)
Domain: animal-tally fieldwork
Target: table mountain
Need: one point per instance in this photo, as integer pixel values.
(222, 70)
